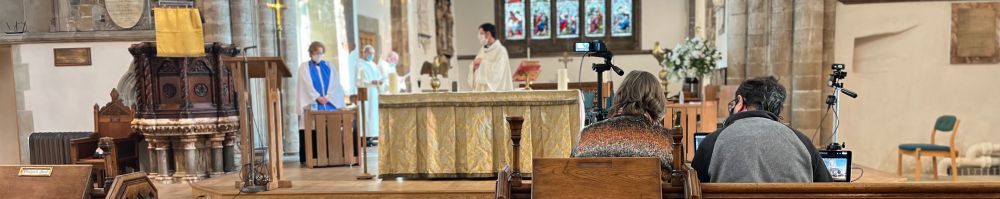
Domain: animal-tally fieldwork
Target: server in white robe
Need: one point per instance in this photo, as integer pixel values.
(491, 67)
(370, 76)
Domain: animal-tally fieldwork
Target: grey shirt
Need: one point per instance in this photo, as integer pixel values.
(754, 147)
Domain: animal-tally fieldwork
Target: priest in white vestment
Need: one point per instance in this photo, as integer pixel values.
(491, 67)
(370, 76)
(319, 85)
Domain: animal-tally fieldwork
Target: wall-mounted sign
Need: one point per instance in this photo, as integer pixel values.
(71, 56)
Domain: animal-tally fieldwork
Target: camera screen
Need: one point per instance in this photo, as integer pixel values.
(838, 168)
(582, 47)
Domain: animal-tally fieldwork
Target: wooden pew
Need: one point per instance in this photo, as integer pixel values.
(334, 138)
(684, 183)
(692, 118)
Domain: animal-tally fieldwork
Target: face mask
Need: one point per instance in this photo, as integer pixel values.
(482, 39)
(316, 58)
(370, 58)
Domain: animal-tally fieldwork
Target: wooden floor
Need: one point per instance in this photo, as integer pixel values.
(334, 182)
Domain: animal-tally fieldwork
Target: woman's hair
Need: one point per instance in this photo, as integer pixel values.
(314, 46)
(640, 94)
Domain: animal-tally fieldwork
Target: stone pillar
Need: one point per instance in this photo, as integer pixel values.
(807, 60)
(780, 47)
(153, 169)
(189, 149)
(829, 27)
(291, 51)
(736, 34)
(216, 17)
(161, 146)
(231, 152)
(244, 24)
(757, 28)
(217, 157)
(266, 35)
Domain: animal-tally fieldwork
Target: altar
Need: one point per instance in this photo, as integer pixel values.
(464, 135)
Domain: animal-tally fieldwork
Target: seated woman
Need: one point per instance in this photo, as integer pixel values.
(633, 128)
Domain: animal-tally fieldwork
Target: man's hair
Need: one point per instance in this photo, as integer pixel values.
(639, 94)
(763, 93)
(313, 47)
(488, 27)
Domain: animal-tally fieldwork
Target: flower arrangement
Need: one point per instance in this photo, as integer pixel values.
(693, 58)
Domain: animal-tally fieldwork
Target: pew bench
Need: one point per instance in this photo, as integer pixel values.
(683, 182)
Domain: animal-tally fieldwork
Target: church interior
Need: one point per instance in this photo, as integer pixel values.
(499, 99)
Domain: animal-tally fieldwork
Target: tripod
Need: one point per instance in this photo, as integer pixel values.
(834, 100)
(600, 69)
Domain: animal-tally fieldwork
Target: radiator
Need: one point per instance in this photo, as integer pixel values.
(52, 147)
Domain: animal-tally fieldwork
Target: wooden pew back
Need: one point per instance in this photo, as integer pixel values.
(596, 178)
(334, 142)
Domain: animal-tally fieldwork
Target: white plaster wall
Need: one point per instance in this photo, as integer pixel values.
(897, 57)
(662, 20)
(63, 98)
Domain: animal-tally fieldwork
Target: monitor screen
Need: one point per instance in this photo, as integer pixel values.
(582, 47)
(839, 164)
(698, 137)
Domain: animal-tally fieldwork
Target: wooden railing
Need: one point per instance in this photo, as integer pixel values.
(683, 183)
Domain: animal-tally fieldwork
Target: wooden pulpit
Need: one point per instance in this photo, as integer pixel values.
(272, 70)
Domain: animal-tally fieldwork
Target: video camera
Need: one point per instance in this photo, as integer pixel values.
(597, 48)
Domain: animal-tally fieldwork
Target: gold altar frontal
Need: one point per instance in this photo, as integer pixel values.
(464, 135)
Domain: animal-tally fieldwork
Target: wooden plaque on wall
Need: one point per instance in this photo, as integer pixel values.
(974, 36)
(71, 56)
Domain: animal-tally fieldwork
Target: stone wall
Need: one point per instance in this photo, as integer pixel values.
(784, 39)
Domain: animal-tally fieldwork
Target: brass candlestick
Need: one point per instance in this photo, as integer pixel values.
(661, 54)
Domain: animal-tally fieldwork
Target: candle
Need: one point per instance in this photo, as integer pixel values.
(393, 83)
(562, 79)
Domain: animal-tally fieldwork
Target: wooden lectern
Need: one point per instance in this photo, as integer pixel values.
(272, 69)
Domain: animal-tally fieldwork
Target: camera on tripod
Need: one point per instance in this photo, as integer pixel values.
(597, 48)
(837, 75)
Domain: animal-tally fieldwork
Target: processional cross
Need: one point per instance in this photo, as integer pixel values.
(277, 6)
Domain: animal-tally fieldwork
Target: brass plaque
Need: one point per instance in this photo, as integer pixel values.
(72, 56)
(974, 36)
(35, 171)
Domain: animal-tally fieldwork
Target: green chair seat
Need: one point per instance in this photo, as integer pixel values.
(924, 147)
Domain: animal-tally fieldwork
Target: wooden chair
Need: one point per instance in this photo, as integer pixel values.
(132, 186)
(692, 118)
(334, 142)
(946, 123)
(113, 124)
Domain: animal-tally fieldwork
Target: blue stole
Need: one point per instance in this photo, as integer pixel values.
(321, 83)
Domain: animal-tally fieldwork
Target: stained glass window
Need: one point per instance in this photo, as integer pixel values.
(621, 18)
(540, 24)
(514, 19)
(595, 18)
(568, 12)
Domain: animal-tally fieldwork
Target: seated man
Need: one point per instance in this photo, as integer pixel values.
(633, 130)
(753, 146)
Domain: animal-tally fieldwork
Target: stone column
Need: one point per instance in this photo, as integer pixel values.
(161, 146)
(189, 149)
(757, 28)
(244, 24)
(780, 47)
(807, 59)
(217, 157)
(216, 17)
(266, 35)
(231, 152)
(736, 35)
(153, 169)
(291, 51)
(829, 27)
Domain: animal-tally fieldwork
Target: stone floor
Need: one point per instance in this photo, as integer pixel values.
(292, 169)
